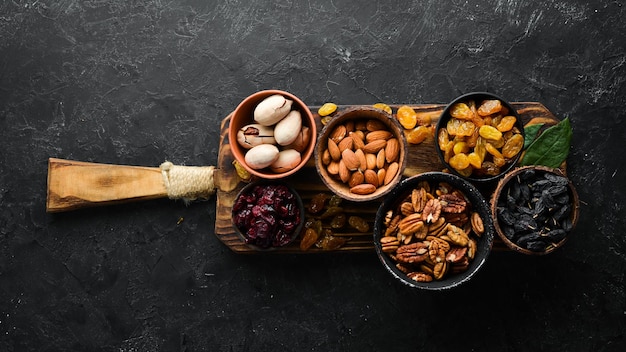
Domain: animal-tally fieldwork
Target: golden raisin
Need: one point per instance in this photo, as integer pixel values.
(407, 117)
(461, 111)
(459, 161)
(418, 134)
(460, 147)
(458, 127)
(475, 160)
(327, 109)
(489, 107)
(443, 138)
(382, 106)
(513, 146)
(490, 132)
(493, 151)
(506, 123)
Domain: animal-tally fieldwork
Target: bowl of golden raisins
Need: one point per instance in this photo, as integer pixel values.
(479, 136)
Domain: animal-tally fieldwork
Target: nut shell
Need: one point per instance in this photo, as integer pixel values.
(272, 109)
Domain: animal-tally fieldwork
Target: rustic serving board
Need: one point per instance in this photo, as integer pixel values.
(421, 158)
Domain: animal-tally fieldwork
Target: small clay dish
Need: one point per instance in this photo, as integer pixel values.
(339, 171)
(244, 116)
(267, 214)
(491, 169)
(455, 275)
(534, 209)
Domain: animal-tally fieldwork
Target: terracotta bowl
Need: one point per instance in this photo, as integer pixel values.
(244, 115)
(477, 175)
(478, 204)
(355, 116)
(515, 232)
(252, 195)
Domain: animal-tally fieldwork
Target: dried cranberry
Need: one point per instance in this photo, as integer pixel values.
(267, 215)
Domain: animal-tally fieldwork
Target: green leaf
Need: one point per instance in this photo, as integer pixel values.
(531, 133)
(551, 147)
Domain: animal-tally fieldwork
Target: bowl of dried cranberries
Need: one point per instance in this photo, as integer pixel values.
(479, 136)
(433, 231)
(534, 209)
(267, 214)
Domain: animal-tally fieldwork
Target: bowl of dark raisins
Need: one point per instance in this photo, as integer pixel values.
(535, 208)
(268, 214)
(479, 136)
(433, 231)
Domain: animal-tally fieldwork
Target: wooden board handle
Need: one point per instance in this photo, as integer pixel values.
(76, 184)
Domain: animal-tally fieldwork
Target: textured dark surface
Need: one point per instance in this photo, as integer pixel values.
(139, 82)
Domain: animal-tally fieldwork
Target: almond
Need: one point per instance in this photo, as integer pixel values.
(376, 135)
(371, 161)
(356, 179)
(345, 143)
(371, 177)
(381, 173)
(357, 139)
(338, 134)
(333, 149)
(380, 159)
(392, 150)
(391, 172)
(326, 157)
(350, 159)
(349, 126)
(344, 173)
(375, 125)
(363, 189)
(375, 146)
(333, 168)
(362, 161)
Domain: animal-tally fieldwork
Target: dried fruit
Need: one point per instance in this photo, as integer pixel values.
(418, 134)
(382, 106)
(407, 117)
(358, 223)
(534, 209)
(327, 109)
(481, 134)
(267, 215)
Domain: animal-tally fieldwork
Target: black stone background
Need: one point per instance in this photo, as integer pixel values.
(140, 82)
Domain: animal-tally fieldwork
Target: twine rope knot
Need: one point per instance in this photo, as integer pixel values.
(188, 182)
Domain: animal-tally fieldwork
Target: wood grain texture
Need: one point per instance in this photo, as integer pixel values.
(421, 158)
(76, 184)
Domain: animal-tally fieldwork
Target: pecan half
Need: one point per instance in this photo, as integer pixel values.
(456, 254)
(412, 253)
(432, 210)
(410, 224)
(419, 199)
(477, 224)
(420, 277)
(452, 203)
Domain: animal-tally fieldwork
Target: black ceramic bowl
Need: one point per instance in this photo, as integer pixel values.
(478, 204)
(268, 214)
(480, 175)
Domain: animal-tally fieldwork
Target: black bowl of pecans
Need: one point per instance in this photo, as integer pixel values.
(534, 209)
(433, 231)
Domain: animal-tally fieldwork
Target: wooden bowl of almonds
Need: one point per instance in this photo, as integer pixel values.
(433, 231)
(361, 153)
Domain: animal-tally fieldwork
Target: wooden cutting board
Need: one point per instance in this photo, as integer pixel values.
(421, 158)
